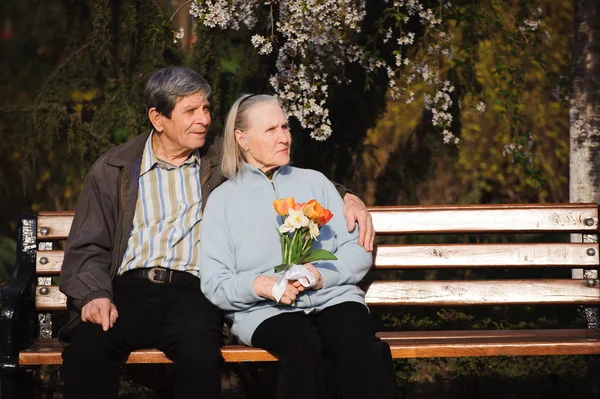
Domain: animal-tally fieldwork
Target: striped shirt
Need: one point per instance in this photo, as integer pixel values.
(168, 212)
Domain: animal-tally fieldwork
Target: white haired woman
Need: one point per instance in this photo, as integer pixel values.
(329, 323)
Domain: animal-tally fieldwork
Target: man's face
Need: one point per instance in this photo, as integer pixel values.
(188, 125)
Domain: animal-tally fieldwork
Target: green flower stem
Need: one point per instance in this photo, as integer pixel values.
(306, 245)
(294, 240)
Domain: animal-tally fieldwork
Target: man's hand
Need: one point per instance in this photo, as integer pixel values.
(356, 211)
(100, 311)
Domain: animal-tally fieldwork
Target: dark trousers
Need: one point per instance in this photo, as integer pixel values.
(173, 317)
(336, 348)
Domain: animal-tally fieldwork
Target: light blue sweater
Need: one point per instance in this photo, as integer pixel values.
(239, 242)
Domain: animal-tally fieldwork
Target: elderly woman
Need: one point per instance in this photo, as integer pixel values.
(312, 331)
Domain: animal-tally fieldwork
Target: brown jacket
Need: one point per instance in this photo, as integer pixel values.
(104, 219)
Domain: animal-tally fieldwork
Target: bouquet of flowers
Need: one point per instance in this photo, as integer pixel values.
(300, 228)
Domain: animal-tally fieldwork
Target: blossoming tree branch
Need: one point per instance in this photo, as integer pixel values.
(415, 46)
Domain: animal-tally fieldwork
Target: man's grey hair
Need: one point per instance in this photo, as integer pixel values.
(167, 85)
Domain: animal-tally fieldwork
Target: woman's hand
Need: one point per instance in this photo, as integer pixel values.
(319, 279)
(263, 287)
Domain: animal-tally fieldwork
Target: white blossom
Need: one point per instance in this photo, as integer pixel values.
(408, 39)
(263, 44)
(179, 35)
(388, 35)
(449, 138)
(529, 26)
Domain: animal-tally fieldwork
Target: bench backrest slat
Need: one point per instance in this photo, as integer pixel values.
(435, 219)
(57, 224)
(470, 256)
(443, 256)
(438, 293)
(487, 219)
(489, 292)
(49, 262)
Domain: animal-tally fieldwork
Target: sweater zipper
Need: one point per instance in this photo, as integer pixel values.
(280, 219)
(272, 181)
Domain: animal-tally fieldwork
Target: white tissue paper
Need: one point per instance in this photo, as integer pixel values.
(295, 272)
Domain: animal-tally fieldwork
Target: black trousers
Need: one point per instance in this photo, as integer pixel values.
(173, 317)
(336, 348)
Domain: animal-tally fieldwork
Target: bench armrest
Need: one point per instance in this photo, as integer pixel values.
(17, 319)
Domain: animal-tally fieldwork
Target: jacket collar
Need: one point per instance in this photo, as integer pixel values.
(127, 153)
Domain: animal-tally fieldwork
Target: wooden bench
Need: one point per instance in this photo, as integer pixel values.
(32, 297)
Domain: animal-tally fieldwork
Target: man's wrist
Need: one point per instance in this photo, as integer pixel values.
(95, 295)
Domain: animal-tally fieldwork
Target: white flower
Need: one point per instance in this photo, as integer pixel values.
(448, 137)
(529, 26)
(408, 39)
(480, 107)
(263, 44)
(257, 40)
(295, 220)
(179, 35)
(388, 35)
(313, 229)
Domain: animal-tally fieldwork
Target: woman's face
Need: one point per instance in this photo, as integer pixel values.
(266, 143)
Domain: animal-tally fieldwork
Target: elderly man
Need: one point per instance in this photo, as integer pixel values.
(130, 271)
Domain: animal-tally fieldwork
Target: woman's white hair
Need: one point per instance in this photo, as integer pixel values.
(238, 119)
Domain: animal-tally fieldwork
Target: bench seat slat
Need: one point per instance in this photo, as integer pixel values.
(438, 293)
(486, 255)
(403, 344)
(507, 219)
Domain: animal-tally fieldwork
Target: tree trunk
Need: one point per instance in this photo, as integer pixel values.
(584, 179)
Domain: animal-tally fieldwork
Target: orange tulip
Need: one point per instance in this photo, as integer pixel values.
(282, 206)
(324, 218)
(311, 210)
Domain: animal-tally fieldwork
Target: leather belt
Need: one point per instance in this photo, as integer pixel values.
(160, 275)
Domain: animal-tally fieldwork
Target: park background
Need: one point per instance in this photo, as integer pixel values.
(72, 74)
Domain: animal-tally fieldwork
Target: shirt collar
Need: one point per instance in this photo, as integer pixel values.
(150, 161)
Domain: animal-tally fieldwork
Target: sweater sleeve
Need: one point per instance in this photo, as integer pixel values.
(219, 280)
(353, 261)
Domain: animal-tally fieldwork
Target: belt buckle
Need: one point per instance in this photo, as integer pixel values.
(152, 275)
